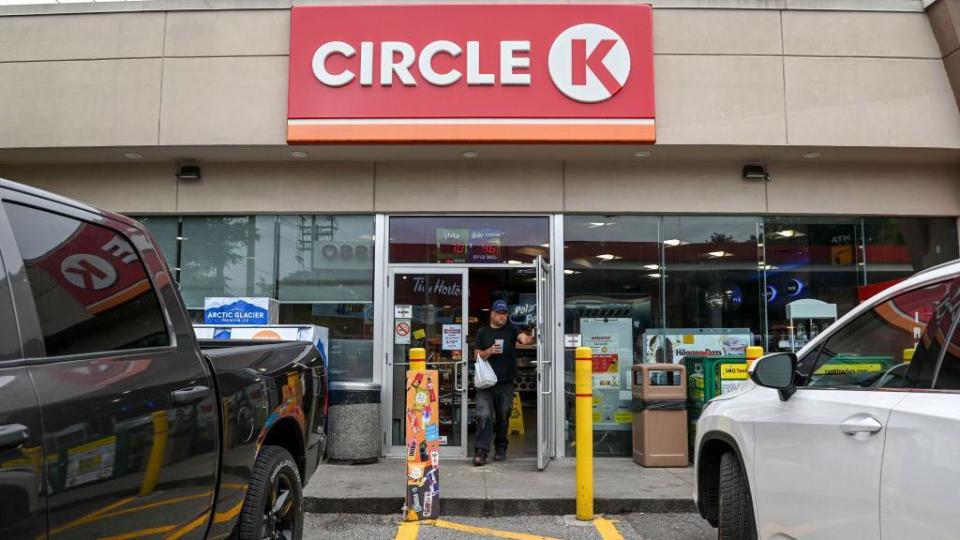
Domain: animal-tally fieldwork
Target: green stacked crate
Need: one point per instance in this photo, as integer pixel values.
(705, 381)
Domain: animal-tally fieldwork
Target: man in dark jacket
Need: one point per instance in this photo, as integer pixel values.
(497, 344)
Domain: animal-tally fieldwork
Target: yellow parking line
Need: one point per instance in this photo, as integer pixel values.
(408, 530)
(482, 531)
(90, 517)
(606, 528)
(200, 520)
(221, 517)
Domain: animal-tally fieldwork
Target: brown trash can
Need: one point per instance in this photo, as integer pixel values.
(660, 415)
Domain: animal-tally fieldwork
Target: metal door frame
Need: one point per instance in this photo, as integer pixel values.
(546, 365)
(387, 390)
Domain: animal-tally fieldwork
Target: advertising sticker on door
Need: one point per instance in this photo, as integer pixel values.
(471, 73)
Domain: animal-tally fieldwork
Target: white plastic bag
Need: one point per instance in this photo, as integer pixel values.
(483, 374)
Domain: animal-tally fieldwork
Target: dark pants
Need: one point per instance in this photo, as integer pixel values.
(494, 405)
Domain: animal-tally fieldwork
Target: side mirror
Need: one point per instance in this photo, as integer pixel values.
(776, 371)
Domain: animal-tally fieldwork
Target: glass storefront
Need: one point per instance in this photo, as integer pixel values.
(320, 267)
(635, 287)
(652, 289)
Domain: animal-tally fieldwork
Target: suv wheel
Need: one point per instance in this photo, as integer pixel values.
(273, 507)
(736, 506)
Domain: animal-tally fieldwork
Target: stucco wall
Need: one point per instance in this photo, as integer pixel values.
(589, 186)
(723, 76)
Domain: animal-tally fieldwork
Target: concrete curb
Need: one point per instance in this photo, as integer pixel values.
(497, 507)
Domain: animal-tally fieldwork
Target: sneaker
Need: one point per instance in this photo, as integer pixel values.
(479, 460)
(500, 455)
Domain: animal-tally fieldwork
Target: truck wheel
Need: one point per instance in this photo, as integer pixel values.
(736, 520)
(273, 507)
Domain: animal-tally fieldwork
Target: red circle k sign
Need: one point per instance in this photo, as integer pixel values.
(486, 73)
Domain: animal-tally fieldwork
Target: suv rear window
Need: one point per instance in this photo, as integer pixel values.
(90, 288)
(895, 344)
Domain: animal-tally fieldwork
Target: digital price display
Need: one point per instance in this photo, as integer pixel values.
(482, 245)
(485, 245)
(452, 245)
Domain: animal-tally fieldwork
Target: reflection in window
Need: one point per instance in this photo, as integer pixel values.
(164, 231)
(612, 279)
(809, 257)
(894, 345)
(712, 274)
(326, 258)
(227, 256)
(470, 240)
(89, 286)
(899, 247)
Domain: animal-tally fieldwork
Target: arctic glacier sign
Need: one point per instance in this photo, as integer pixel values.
(240, 310)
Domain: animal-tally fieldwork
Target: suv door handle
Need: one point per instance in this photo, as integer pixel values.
(860, 424)
(13, 435)
(188, 396)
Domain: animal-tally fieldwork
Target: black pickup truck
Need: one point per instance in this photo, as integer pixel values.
(114, 421)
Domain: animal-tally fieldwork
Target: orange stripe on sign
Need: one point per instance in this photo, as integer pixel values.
(121, 297)
(475, 133)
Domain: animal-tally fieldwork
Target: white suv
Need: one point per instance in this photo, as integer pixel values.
(856, 436)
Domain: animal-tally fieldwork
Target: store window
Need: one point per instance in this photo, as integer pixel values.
(612, 277)
(326, 258)
(227, 256)
(713, 283)
(469, 240)
(351, 335)
(809, 258)
(899, 247)
(164, 230)
(326, 278)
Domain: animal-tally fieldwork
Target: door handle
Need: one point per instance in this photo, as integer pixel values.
(189, 396)
(860, 424)
(13, 435)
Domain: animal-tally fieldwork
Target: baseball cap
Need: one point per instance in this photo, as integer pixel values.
(499, 305)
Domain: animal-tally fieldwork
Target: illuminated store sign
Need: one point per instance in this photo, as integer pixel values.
(486, 73)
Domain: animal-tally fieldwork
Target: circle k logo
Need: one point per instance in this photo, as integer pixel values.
(589, 63)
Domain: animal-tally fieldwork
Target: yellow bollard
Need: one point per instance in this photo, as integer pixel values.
(161, 426)
(753, 353)
(418, 359)
(584, 408)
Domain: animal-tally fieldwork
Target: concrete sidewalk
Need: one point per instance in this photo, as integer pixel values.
(513, 487)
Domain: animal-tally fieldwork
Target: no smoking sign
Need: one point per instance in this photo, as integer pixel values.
(401, 332)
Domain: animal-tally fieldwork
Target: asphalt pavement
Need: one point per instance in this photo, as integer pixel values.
(636, 526)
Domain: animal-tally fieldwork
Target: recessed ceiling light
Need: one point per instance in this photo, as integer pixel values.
(653, 275)
(298, 154)
(718, 254)
(607, 256)
(511, 261)
(652, 266)
(598, 224)
(641, 154)
(133, 155)
(570, 272)
(788, 233)
(812, 155)
(544, 245)
(673, 242)
(470, 154)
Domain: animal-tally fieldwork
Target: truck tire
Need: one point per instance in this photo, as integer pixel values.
(736, 520)
(273, 506)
